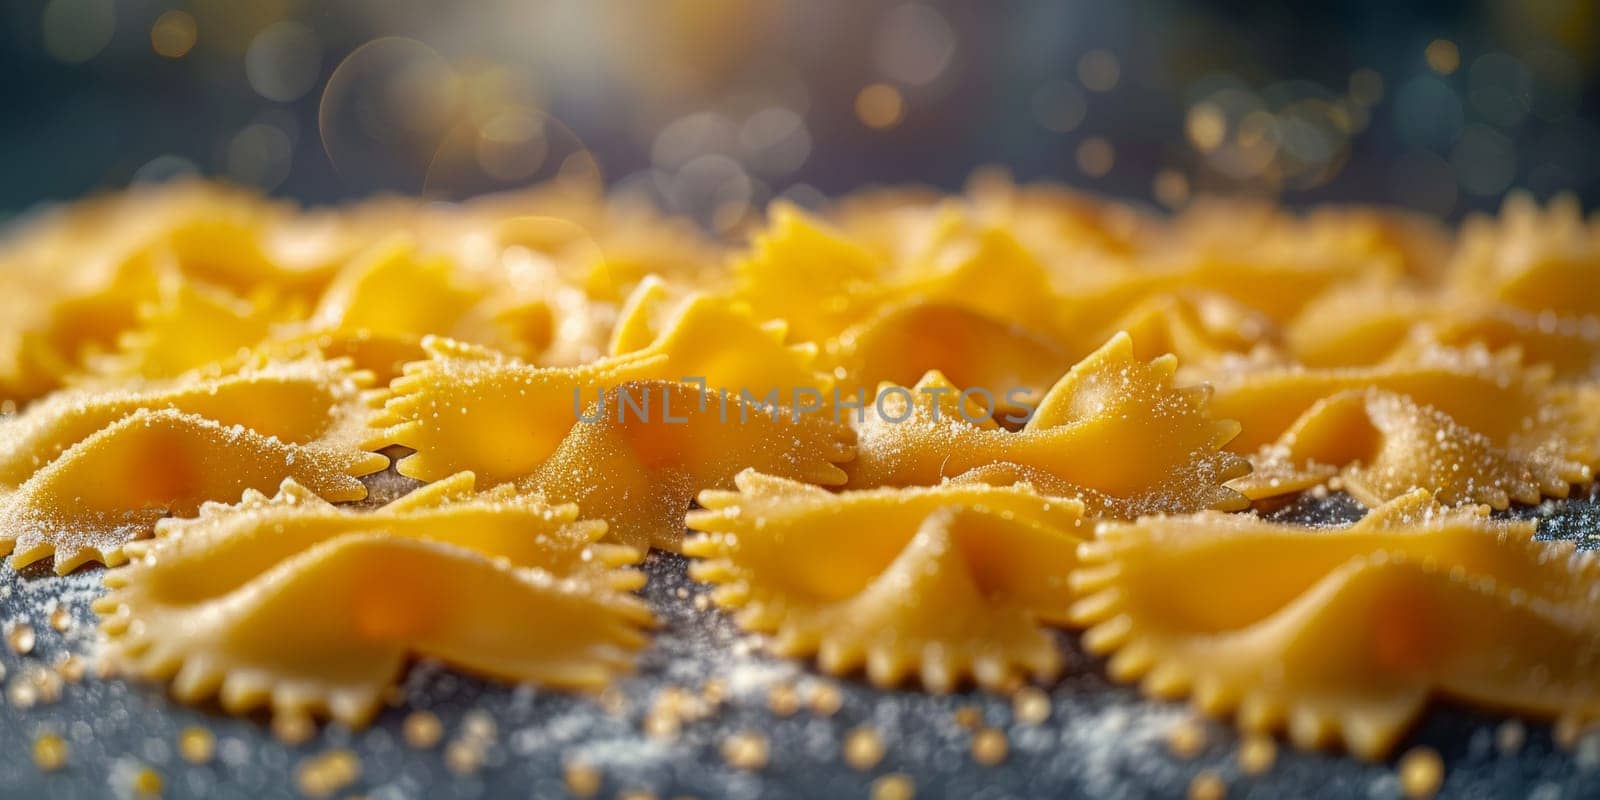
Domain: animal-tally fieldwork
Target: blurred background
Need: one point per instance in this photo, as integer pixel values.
(713, 107)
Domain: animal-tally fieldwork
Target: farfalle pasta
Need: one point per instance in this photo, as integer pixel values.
(1383, 445)
(175, 440)
(1114, 430)
(940, 583)
(300, 401)
(1541, 260)
(1371, 323)
(640, 472)
(900, 419)
(1341, 635)
(1492, 393)
(903, 342)
(192, 326)
(626, 448)
(166, 462)
(291, 603)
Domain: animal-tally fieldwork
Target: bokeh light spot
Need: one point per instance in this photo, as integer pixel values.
(260, 155)
(1206, 126)
(77, 30)
(174, 34)
(1501, 89)
(1096, 157)
(915, 44)
(512, 146)
(1427, 113)
(1099, 70)
(1366, 86)
(774, 141)
(880, 106)
(1443, 56)
(283, 61)
(385, 113)
(1171, 188)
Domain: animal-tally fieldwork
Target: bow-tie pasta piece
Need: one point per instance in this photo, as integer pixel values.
(1268, 289)
(987, 272)
(1375, 323)
(814, 278)
(505, 522)
(1201, 329)
(940, 583)
(76, 280)
(470, 408)
(1342, 634)
(1114, 427)
(112, 487)
(1387, 445)
(1417, 243)
(1493, 394)
(645, 449)
(467, 408)
(395, 290)
(398, 293)
(708, 339)
(645, 313)
(1357, 325)
(903, 342)
(239, 243)
(1055, 221)
(1570, 346)
(55, 324)
(1538, 260)
(291, 603)
(193, 326)
(1272, 268)
(298, 402)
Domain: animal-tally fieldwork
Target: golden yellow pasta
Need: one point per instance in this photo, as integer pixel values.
(898, 417)
(1491, 393)
(190, 327)
(640, 471)
(902, 342)
(1370, 323)
(1201, 329)
(1114, 428)
(299, 402)
(813, 278)
(1542, 260)
(1342, 634)
(165, 463)
(291, 603)
(1386, 445)
(940, 583)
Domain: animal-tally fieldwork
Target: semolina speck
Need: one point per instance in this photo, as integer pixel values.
(863, 748)
(989, 746)
(1421, 773)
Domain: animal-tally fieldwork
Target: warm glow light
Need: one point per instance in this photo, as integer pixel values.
(1171, 188)
(1366, 86)
(1095, 157)
(1443, 56)
(174, 34)
(1206, 126)
(880, 106)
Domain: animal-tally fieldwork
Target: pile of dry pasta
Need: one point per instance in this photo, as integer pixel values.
(907, 436)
